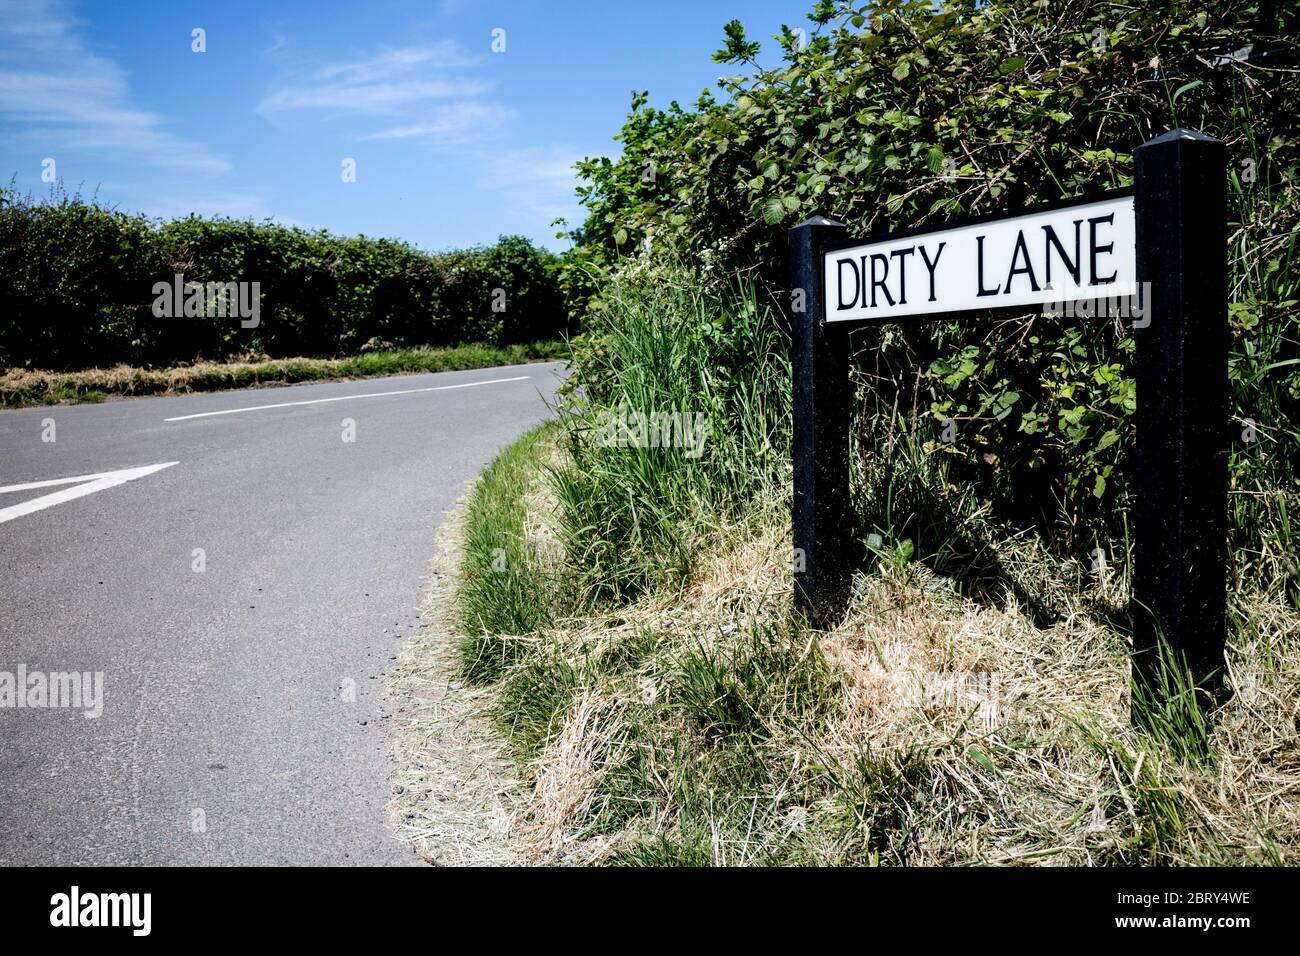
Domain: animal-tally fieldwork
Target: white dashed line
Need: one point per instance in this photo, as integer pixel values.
(344, 398)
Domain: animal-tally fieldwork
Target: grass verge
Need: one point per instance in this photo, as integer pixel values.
(454, 791)
(700, 725)
(23, 387)
(504, 592)
(625, 606)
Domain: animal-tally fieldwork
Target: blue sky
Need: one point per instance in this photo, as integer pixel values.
(454, 144)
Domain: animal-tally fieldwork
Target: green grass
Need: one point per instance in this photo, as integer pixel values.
(23, 387)
(700, 721)
(635, 516)
(1171, 708)
(659, 732)
(877, 802)
(503, 593)
(751, 688)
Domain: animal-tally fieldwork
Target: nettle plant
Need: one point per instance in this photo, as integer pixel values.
(898, 113)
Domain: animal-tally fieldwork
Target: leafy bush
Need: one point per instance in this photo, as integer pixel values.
(898, 113)
(677, 713)
(77, 281)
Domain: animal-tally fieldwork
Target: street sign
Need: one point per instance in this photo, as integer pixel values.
(1070, 251)
(1165, 245)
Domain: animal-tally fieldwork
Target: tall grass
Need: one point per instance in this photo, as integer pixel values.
(630, 605)
(632, 515)
(504, 594)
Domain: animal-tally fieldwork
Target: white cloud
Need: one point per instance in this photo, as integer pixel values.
(455, 124)
(364, 98)
(539, 180)
(443, 55)
(66, 97)
(278, 43)
(386, 84)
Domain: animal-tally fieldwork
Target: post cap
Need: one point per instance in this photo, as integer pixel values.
(1180, 134)
(818, 220)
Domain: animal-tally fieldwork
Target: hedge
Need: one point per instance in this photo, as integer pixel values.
(78, 285)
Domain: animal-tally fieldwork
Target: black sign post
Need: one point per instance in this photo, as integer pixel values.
(823, 396)
(1175, 250)
(1180, 510)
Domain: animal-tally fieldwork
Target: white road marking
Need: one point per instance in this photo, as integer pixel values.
(89, 485)
(344, 398)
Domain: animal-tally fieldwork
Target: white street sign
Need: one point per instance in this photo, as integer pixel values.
(1081, 251)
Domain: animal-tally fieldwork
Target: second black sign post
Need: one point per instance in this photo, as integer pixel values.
(1180, 484)
(1180, 480)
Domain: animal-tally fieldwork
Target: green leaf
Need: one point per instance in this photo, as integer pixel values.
(981, 758)
(737, 48)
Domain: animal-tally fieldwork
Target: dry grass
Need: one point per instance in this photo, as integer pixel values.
(567, 777)
(1045, 769)
(455, 792)
(972, 708)
(33, 386)
(987, 723)
(19, 387)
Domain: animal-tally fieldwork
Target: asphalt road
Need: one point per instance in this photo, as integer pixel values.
(241, 719)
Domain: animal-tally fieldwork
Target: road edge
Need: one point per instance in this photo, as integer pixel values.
(455, 792)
